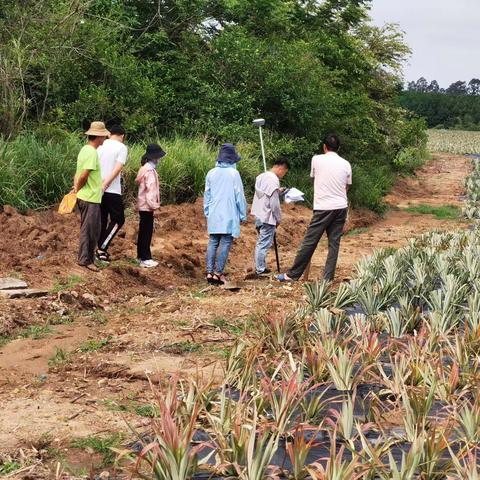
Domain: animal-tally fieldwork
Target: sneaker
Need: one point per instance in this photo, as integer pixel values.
(148, 263)
(267, 271)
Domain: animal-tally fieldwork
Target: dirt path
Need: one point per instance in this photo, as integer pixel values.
(107, 331)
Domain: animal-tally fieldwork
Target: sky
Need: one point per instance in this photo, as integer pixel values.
(444, 36)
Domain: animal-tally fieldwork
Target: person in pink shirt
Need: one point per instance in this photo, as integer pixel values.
(148, 202)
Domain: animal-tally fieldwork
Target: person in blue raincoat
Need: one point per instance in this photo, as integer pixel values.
(225, 207)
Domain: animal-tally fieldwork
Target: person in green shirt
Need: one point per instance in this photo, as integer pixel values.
(88, 187)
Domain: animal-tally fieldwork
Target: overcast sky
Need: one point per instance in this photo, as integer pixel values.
(444, 36)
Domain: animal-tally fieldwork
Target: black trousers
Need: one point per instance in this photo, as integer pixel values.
(145, 231)
(89, 231)
(113, 218)
(331, 221)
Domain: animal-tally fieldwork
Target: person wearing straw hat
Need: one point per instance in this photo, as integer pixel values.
(225, 208)
(88, 187)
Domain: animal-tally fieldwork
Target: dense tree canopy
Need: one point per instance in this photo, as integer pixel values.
(457, 106)
(208, 67)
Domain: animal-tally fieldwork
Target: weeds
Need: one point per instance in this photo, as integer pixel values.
(9, 467)
(56, 319)
(101, 445)
(59, 359)
(66, 283)
(94, 345)
(443, 212)
(36, 332)
(181, 348)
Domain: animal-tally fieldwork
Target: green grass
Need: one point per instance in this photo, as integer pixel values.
(36, 332)
(442, 212)
(59, 359)
(9, 467)
(225, 325)
(98, 317)
(357, 231)
(180, 348)
(94, 345)
(112, 405)
(66, 283)
(36, 173)
(147, 410)
(56, 319)
(100, 445)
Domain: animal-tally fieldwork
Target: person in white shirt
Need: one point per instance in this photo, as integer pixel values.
(267, 212)
(332, 179)
(113, 156)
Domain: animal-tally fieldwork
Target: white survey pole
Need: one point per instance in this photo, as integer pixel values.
(260, 122)
(263, 150)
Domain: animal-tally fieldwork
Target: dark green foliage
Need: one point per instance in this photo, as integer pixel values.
(205, 68)
(443, 110)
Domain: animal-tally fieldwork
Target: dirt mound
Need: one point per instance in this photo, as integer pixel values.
(42, 247)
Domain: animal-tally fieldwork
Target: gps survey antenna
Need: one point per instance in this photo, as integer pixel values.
(260, 122)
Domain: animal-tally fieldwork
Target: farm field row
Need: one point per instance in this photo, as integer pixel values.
(454, 141)
(69, 381)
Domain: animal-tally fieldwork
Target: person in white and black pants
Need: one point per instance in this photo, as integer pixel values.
(113, 156)
(332, 176)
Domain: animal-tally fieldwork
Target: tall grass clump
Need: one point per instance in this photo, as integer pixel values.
(36, 170)
(182, 171)
(35, 173)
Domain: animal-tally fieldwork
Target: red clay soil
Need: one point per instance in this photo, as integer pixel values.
(150, 319)
(42, 247)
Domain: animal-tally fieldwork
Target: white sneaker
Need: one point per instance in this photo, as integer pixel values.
(148, 263)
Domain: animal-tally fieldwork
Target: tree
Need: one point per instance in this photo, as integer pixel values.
(474, 86)
(457, 88)
(421, 85)
(434, 87)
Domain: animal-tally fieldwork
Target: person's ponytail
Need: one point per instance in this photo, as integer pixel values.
(145, 159)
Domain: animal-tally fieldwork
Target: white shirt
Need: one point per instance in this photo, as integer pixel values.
(111, 152)
(331, 175)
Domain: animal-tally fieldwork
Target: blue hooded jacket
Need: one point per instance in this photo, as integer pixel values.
(224, 200)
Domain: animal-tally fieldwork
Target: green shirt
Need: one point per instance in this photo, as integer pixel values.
(88, 160)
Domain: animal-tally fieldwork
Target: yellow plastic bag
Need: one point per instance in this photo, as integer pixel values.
(68, 204)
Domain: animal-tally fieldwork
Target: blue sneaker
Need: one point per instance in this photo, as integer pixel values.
(283, 278)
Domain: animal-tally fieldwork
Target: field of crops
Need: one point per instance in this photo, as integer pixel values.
(376, 380)
(454, 141)
(471, 208)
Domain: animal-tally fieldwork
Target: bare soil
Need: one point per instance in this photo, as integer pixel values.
(85, 373)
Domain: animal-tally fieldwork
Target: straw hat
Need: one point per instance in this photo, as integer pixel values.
(97, 129)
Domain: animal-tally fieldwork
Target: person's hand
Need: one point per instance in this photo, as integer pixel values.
(278, 224)
(74, 190)
(282, 190)
(105, 185)
(156, 213)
